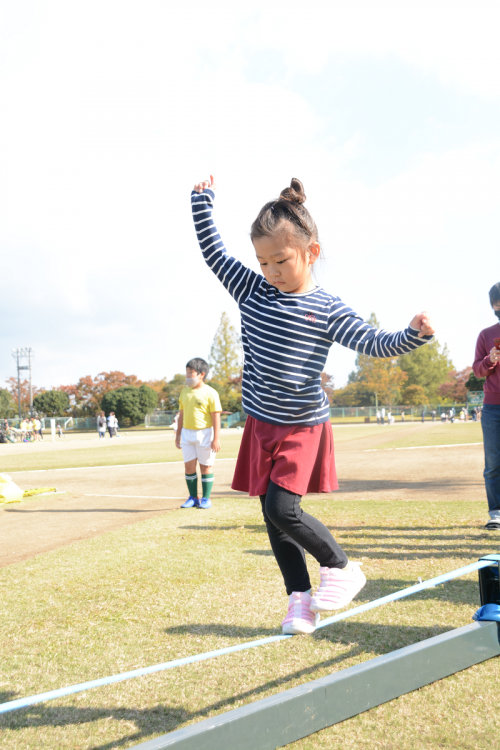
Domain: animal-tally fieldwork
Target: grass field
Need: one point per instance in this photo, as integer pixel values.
(187, 582)
(86, 450)
(438, 434)
(161, 589)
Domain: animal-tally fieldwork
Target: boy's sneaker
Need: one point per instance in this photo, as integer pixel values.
(299, 618)
(190, 502)
(338, 587)
(493, 524)
(205, 503)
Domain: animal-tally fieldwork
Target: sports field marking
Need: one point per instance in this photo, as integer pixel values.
(110, 466)
(415, 447)
(146, 497)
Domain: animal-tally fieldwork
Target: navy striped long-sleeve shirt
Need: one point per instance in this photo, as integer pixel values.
(286, 337)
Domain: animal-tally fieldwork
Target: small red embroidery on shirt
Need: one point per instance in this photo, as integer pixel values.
(310, 317)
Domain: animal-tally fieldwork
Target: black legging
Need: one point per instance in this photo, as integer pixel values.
(291, 531)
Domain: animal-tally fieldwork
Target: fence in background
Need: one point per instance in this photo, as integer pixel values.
(165, 418)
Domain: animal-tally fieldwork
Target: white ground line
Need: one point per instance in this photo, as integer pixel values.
(146, 497)
(416, 447)
(110, 466)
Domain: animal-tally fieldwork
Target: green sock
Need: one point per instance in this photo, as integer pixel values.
(207, 482)
(192, 483)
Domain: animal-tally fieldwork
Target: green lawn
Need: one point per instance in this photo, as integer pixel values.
(437, 434)
(188, 582)
(110, 454)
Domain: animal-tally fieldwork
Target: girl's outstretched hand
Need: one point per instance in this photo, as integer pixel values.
(201, 186)
(423, 323)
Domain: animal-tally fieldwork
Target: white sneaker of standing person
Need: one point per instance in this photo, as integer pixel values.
(299, 618)
(338, 587)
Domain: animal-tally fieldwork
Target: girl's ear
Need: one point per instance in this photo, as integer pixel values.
(314, 252)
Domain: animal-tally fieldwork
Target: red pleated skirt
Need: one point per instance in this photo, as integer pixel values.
(298, 458)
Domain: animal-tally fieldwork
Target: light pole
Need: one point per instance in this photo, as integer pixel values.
(18, 354)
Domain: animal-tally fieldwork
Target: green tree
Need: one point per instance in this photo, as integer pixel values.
(148, 398)
(225, 360)
(7, 405)
(474, 384)
(172, 390)
(353, 394)
(130, 404)
(229, 394)
(414, 395)
(427, 366)
(51, 403)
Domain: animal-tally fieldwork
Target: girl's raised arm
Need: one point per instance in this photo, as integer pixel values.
(239, 280)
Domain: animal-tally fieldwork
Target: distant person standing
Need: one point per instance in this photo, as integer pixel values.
(433, 415)
(378, 416)
(111, 424)
(423, 415)
(382, 416)
(402, 416)
(101, 425)
(486, 366)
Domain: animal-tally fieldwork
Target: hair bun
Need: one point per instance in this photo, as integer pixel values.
(294, 193)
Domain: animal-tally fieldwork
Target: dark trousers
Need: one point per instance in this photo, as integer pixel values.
(291, 531)
(490, 422)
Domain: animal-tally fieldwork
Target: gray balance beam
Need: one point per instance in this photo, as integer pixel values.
(276, 721)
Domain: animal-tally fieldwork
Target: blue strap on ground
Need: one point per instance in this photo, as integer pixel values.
(70, 690)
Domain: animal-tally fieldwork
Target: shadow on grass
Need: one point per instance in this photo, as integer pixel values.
(160, 719)
(430, 485)
(253, 527)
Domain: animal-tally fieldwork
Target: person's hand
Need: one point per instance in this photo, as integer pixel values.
(215, 446)
(178, 443)
(494, 355)
(423, 323)
(201, 186)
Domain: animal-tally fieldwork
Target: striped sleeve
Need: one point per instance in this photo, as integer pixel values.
(349, 329)
(239, 280)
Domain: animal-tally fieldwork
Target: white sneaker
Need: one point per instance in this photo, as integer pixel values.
(338, 587)
(299, 618)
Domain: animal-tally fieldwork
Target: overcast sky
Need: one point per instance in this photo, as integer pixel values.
(389, 113)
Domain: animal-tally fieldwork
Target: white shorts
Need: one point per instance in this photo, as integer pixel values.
(196, 444)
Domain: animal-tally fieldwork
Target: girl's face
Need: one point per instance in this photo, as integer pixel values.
(285, 267)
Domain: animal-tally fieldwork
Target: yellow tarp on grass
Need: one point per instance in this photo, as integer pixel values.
(38, 491)
(11, 493)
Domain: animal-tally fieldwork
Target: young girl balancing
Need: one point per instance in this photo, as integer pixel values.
(288, 325)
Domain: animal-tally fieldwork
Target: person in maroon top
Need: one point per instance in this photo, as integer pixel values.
(486, 366)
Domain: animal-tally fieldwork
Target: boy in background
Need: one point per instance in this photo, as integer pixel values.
(198, 431)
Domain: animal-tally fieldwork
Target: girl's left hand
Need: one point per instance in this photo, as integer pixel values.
(215, 446)
(423, 323)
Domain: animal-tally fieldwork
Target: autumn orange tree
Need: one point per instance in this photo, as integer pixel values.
(25, 393)
(454, 389)
(385, 378)
(88, 392)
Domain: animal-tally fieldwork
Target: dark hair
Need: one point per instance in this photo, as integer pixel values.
(495, 294)
(198, 365)
(287, 214)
